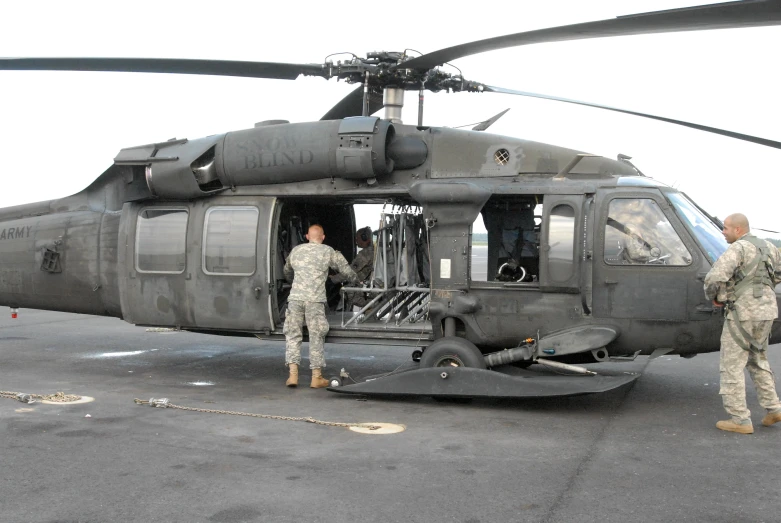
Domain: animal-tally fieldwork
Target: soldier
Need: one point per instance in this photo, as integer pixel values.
(306, 302)
(362, 264)
(743, 280)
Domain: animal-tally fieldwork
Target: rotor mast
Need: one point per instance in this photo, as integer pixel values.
(393, 102)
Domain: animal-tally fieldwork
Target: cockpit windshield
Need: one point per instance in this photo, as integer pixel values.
(704, 230)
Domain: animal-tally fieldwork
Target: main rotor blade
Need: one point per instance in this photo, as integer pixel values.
(716, 130)
(352, 105)
(276, 70)
(747, 13)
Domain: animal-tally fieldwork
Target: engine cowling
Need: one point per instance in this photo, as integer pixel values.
(353, 148)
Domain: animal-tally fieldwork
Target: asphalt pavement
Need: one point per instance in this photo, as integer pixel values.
(645, 452)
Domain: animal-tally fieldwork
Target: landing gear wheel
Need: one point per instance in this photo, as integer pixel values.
(452, 352)
(335, 382)
(416, 354)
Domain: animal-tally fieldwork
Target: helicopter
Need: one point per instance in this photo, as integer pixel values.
(586, 259)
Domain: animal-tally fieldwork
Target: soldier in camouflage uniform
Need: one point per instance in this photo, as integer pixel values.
(307, 267)
(743, 281)
(363, 264)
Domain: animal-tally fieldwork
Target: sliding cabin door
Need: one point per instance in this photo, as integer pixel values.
(201, 264)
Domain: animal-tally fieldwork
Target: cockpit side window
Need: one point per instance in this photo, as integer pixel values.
(704, 230)
(638, 233)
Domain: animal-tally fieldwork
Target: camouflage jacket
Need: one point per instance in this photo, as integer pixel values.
(307, 266)
(720, 281)
(362, 265)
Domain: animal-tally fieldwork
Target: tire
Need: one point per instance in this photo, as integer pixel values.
(452, 352)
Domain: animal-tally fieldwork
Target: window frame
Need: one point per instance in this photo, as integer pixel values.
(205, 233)
(497, 284)
(573, 257)
(138, 238)
(661, 208)
(679, 212)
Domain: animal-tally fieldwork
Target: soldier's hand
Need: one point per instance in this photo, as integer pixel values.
(717, 303)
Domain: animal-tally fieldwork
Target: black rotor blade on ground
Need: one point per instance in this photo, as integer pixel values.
(352, 105)
(281, 71)
(747, 13)
(716, 130)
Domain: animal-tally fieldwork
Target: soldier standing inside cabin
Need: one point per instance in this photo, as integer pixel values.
(363, 264)
(307, 267)
(743, 281)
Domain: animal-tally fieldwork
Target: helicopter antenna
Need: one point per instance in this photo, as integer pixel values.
(485, 124)
(624, 158)
(482, 126)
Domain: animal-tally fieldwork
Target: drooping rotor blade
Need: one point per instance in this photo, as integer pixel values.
(276, 70)
(747, 13)
(716, 130)
(352, 105)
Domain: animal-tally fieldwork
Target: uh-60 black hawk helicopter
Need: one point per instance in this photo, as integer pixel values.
(587, 260)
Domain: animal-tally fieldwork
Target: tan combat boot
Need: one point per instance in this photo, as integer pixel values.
(292, 381)
(771, 417)
(318, 381)
(740, 428)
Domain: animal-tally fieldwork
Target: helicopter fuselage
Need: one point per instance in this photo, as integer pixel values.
(580, 252)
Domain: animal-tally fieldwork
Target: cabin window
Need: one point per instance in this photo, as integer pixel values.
(229, 241)
(638, 233)
(561, 241)
(505, 240)
(161, 238)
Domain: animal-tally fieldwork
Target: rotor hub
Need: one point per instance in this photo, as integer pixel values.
(385, 70)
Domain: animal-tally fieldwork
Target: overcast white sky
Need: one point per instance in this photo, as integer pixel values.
(59, 131)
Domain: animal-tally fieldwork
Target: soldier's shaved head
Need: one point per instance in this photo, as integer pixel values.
(739, 220)
(316, 234)
(735, 226)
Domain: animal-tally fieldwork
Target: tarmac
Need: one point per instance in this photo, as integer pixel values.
(648, 451)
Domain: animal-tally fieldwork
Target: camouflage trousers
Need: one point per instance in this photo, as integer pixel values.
(358, 300)
(734, 359)
(313, 314)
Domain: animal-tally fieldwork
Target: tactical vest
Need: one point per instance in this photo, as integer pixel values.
(753, 275)
(761, 268)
